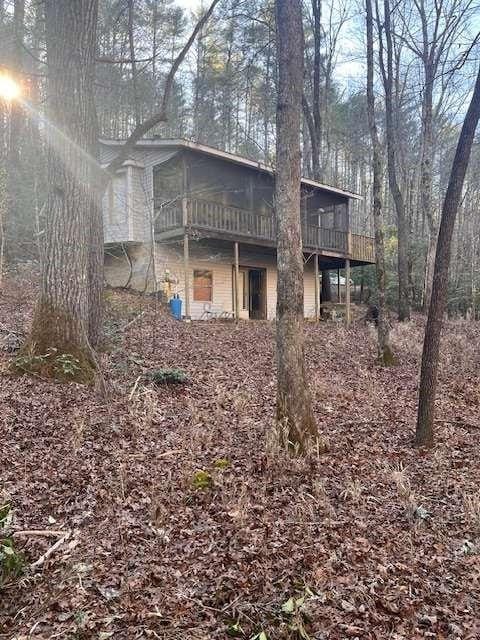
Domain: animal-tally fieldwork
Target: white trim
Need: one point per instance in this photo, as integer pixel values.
(129, 202)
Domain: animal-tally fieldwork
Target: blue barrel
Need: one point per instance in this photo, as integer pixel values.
(176, 307)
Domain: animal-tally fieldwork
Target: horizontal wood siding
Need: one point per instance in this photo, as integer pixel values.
(212, 257)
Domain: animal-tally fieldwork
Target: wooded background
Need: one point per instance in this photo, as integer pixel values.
(224, 95)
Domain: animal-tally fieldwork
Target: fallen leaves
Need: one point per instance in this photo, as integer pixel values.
(153, 556)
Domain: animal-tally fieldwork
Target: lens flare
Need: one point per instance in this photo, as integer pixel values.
(9, 89)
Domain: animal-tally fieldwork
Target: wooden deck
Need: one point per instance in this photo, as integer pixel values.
(221, 221)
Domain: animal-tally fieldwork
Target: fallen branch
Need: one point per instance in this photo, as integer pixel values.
(129, 324)
(48, 533)
(51, 550)
(134, 388)
(459, 423)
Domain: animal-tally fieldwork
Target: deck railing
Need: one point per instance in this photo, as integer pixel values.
(168, 218)
(362, 248)
(220, 218)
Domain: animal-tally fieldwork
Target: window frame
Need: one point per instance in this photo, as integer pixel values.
(202, 287)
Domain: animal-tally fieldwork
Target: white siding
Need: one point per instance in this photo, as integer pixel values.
(115, 215)
(134, 195)
(211, 256)
(129, 222)
(141, 204)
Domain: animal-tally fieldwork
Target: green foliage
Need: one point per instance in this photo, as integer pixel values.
(64, 365)
(30, 362)
(12, 562)
(167, 376)
(5, 515)
(67, 365)
(202, 480)
(234, 630)
(293, 609)
(221, 463)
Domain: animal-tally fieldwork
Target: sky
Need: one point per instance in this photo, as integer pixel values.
(349, 70)
(188, 4)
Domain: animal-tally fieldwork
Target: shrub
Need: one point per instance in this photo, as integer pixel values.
(202, 480)
(167, 376)
(221, 463)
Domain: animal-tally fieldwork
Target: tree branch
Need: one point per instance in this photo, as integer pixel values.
(161, 115)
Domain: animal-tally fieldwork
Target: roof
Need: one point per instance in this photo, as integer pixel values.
(229, 157)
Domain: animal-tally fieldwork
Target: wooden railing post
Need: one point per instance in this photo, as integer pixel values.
(186, 257)
(237, 279)
(185, 212)
(317, 290)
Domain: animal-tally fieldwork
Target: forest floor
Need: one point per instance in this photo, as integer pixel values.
(373, 539)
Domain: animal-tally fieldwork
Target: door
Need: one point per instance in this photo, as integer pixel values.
(252, 293)
(257, 294)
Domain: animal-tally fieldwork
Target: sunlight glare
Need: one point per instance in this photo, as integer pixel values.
(9, 89)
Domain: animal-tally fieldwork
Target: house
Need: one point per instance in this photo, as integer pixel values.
(191, 220)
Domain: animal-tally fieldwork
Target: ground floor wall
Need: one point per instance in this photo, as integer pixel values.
(133, 266)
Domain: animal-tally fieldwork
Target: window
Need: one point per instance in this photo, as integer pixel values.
(202, 286)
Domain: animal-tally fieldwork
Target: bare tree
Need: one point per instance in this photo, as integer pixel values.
(69, 314)
(131, 45)
(16, 111)
(60, 323)
(431, 344)
(313, 112)
(441, 25)
(385, 354)
(388, 75)
(294, 405)
(161, 115)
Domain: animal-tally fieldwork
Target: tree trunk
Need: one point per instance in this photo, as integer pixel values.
(133, 62)
(3, 213)
(426, 181)
(313, 115)
(16, 110)
(96, 269)
(294, 405)
(61, 319)
(431, 345)
(429, 266)
(385, 354)
(397, 195)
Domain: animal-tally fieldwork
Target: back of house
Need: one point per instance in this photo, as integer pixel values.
(198, 224)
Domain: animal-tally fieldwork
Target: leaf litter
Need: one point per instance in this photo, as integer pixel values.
(373, 539)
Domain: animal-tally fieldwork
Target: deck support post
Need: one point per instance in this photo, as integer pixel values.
(236, 272)
(347, 292)
(317, 290)
(348, 316)
(186, 257)
(339, 293)
(186, 267)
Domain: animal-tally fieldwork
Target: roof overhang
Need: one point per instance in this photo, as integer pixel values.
(153, 143)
